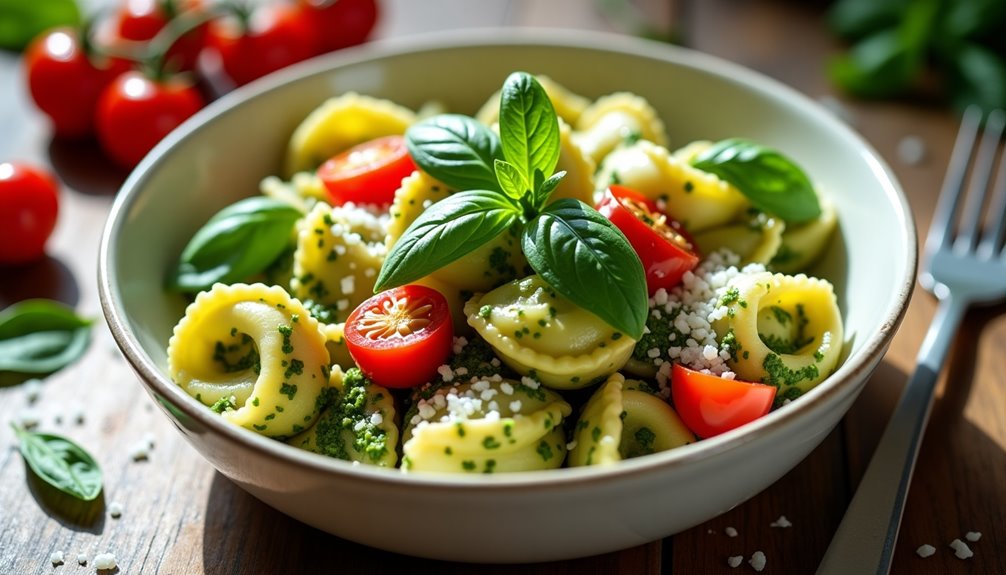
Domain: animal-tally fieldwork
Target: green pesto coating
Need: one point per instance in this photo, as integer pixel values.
(339, 422)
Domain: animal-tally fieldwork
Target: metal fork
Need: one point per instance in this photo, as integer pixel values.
(964, 265)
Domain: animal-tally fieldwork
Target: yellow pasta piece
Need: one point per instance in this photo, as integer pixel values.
(335, 341)
(802, 244)
(756, 240)
(622, 420)
(539, 333)
(568, 106)
(303, 190)
(698, 200)
(782, 330)
(341, 123)
(615, 119)
(486, 426)
(253, 352)
(578, 183)
(339, 253)
(358, 424)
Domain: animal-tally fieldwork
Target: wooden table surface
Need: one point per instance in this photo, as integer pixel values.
(180, 516)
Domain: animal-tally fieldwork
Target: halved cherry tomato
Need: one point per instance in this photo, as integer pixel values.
(368, 173)
(341, 23)
(710, 405)
(661, 243)
(142, 20)
(65, 79)
(135, 112)
(399, 337)
(29, 202)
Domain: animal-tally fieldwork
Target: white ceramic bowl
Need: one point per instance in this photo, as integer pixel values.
(221, 154)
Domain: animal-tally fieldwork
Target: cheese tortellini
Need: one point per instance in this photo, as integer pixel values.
(253, 353)
(615, 119)
(539, 333)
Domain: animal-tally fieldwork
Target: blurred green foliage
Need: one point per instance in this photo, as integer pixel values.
(22, 20)
(900, 47)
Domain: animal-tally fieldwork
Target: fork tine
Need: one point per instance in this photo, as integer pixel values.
(981, 174)
(941, 228)
(996, 222)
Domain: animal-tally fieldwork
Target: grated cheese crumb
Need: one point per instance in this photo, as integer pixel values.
(973, 536)
(781, 522)
(81, 559)
(735, 561)
(961, 549)
(925, 551)
(56, 557)
(757, 561)
(32, 390)
(29, 418)
(730, 531)
(115, 510)
(105, 561)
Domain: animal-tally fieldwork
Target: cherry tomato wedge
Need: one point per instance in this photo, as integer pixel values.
(368, 173)
(29, 201)
(399, 337)
(661, 244)
(710, 405)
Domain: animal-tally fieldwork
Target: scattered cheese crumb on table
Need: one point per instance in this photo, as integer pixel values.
(32, 390)
(105, 561)
(730, 531)
(81, 559)
(56, 557)
(961, 549)
(925, 551)
(735, 560)
(757, 561)
(781, 522)
(115, 510)
(973, 535)
(911, 150)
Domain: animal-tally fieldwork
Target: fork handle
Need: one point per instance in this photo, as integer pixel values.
(864, 542)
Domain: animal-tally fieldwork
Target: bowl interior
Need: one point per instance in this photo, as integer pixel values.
(221, 155)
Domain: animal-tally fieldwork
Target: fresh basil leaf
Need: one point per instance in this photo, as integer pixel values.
(585, 258)
(511, 180)
(239, 241)
(61, 463)
(457, 150)
(529, 129)
(855, 19)
(772, 182)
(544, 191)
(977, 76)
(41, 336)
(447, 230)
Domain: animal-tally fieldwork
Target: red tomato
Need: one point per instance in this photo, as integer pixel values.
(142, 20)
(399, 337)
(710, 405)
(135, 112)
(273, 36)
(661, 244)
(65, 81)
(29, 201)
(341, 23)
(368, 173)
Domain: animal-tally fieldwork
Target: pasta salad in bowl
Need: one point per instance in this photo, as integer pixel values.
(523, 293)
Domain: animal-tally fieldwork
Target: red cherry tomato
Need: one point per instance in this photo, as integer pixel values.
(273, 36)
(142, 20)
(135, 112)
(29, 202)
(341, 23)
(368, 173)
(661, 243)
(399, 337)
(710, 405)
(65, 81)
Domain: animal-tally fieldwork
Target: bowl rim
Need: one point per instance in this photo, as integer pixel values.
(855, 366)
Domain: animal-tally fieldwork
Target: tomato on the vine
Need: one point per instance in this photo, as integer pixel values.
(710, 405)
(341, 23)
(368, 173)
(29, 203)
(399, 337)
(661, 244)
(142, 20)
(135, 112)
(65, 79)
(271, 37)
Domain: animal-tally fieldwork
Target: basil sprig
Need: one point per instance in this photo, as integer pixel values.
(772, 182)
(41, 336)
(61, 463)
(507, 182)
(239, 241)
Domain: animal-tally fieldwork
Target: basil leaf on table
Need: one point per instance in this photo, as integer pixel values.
(239, 241)
(584, 257)
(61, 463)
(457, 150)
(41, 336)
(771, 182)
(529, 128)
(447, 230)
